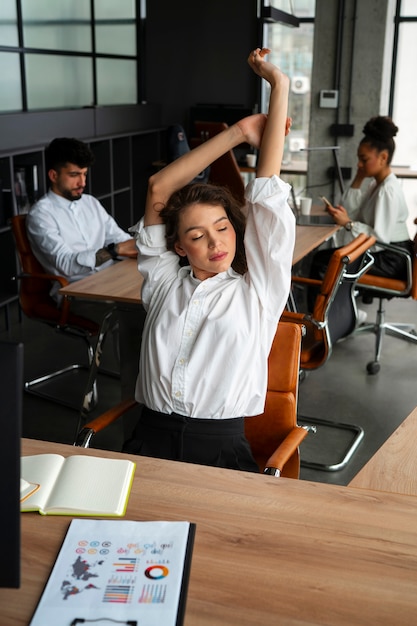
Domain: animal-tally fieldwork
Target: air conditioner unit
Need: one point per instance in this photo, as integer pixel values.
(297, 144)
(300, 84)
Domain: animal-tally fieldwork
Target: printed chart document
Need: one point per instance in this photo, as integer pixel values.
(111, 571)
(77, 485)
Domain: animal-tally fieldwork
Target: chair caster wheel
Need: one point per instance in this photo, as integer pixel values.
(373, 367)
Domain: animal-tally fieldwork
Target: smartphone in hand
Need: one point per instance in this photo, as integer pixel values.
(326, 201)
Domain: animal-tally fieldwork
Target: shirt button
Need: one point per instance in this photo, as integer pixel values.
(178, 394)
(182, 361)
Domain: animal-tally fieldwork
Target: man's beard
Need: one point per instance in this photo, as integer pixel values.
(72, 195)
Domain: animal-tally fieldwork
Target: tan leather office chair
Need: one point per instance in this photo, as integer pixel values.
(225, 170)
(385, 289)
(36, 303)
(334, 316)
(274, 436)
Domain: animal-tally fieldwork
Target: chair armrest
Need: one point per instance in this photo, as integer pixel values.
(409, 267)
(102, 421)
(285, 450)
(49, 277)
(302, 318)
(303, 280)
(368, 261)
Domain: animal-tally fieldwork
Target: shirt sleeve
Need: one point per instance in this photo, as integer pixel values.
(352, 200)
(375, 211)
(57, 244)
(269, 243)
(155, 262)
(51, 249)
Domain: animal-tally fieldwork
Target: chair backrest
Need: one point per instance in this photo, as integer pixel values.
(34, 297)
(177, 146)
(35, 285)
(265, 432)
(225, 170)
(335, 305)
(334, 312)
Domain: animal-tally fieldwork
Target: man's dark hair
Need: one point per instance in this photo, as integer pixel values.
(66, 150)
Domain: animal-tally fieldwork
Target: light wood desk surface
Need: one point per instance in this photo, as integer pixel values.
(394, 466)
(308, 238)
(121, 282)
(267, 551)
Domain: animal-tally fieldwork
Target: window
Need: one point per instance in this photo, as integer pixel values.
(404, 93)
(71, 53)
(292, 50)
(402, 99)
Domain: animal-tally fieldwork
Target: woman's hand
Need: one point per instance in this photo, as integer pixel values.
(264, 68)
(339, 214)
(252, 128)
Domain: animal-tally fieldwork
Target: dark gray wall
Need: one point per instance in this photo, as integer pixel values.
(196, 53)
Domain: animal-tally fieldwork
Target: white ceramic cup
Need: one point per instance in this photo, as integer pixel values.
(251, 160)
(305, 206)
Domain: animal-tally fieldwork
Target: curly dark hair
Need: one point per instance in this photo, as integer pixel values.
(64, 150)
(379, 132)
(205, 193)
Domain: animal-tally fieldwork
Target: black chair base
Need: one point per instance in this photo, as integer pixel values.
(379, 328)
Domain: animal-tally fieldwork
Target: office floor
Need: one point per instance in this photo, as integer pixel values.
(340, 391)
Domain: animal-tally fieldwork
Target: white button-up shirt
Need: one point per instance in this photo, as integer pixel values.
(65, 235)
(379, 210)
(205, 344)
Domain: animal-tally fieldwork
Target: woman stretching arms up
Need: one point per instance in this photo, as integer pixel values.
(215, 285)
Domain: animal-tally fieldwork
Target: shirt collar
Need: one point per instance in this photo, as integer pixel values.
(62, 202)
(187, 271)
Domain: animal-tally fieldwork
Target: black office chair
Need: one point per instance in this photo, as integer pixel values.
(177, 146)
(334, 317)
(385, 289)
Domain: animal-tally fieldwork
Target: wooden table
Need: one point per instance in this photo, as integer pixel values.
(308, 238)
(121, 282)
(267, 550)
(394, 466)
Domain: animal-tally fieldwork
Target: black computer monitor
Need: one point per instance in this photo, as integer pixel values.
(11, 386)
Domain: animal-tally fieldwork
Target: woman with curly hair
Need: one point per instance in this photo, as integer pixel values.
(216, 280)
(373, 204)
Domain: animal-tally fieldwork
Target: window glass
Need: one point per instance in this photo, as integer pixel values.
(109, 9)
(58, 81)
(408, 8)
(299, 8)
(292, 51)
(116, 82)
(10, 92)
(404, 110)
(63, 25)
(115, 27)
(116, 39)
(8, 24)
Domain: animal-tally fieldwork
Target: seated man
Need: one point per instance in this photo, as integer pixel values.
(71, 233)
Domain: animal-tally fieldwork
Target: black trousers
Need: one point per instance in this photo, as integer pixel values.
(218, 443)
